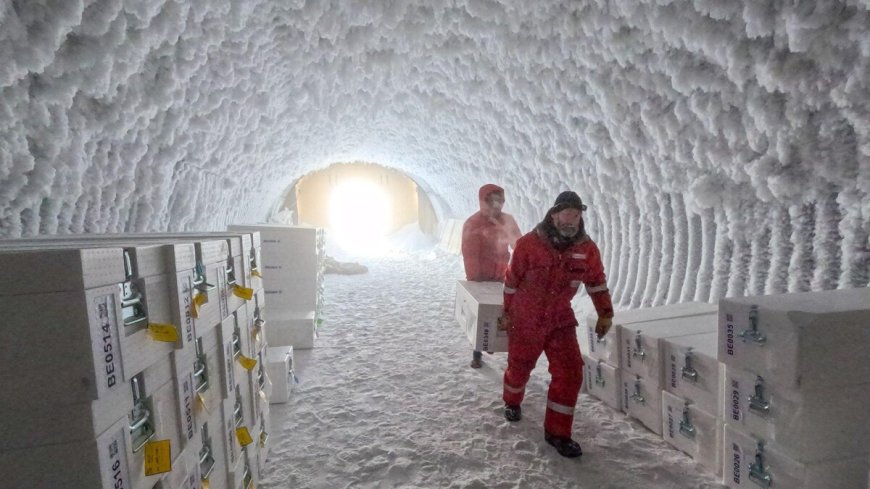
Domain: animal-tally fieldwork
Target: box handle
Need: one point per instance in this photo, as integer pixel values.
(757, 474)
(689, 372)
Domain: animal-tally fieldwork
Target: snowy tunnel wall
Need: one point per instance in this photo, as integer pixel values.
(723, 145)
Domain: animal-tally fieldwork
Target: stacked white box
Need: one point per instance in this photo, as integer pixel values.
(606, 353)
(693, 371)
(609, 349)
(693, 431)
(642, 342)
(642, 400)
(291, 264)
(280, 368)
(603, 381)
(797, 385)
(749, 463)
(799, 341)
(807, 425)
(478, 309)
(643, 362)
(151, 280)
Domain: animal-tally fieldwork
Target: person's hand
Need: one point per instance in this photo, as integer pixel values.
(603, 326)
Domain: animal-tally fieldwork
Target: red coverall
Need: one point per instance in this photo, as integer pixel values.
(538, 288)
(485, 241)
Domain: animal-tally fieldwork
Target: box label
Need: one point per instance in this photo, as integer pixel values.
(107, 347)
(186, 388)
(673, 371)
(671, 421)
(729, 334)
(735, 465)
(117, 475)
(735, 401)
(186, 288)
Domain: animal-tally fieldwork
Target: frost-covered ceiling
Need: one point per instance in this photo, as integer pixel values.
(724, 145)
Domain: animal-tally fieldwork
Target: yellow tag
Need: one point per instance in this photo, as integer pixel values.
(243, 436)
(158, 457)
(256, 273)
(243, 292)
(198, 301)
(205, 484)
(248, 363)
(201, 399)
(163, 332)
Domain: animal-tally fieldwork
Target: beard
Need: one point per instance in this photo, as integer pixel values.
(568, 231)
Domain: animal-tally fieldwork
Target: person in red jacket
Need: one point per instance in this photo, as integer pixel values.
(486, 236)
(546, 270)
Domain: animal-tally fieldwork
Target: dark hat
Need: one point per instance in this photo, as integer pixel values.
(568, 200)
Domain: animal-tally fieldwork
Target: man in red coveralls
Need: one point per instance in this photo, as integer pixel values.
(486, 236)
(547, 268)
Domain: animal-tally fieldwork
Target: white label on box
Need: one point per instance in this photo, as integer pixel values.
(106, 343)
(117, 475)
(187, 393)
(186, 288)
(230, 369)
(729, 334)
(733, 408)
(733, 470)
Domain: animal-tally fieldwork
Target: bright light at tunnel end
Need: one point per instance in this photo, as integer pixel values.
(359, 216)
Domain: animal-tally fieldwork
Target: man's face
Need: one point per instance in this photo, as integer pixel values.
(494, 203)
(567, 222)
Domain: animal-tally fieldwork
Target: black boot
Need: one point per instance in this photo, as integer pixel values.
(513, 413)
(564, 445)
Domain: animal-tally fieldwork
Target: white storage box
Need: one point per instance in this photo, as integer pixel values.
(298, 332)
(809, 425)
(746, 466)
(642, 346)
(73, 346)
(608, 348)
(692, 431)
(478, 310)
(807, 340)
(642, 400)
(603, 382)
(59, 270)
(693, 370)
(98, 463)
(280, 368)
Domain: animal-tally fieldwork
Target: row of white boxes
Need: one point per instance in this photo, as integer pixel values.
(293, 263)
(766, 391)
(93, 379)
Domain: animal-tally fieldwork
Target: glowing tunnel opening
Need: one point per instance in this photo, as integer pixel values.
(359, 217)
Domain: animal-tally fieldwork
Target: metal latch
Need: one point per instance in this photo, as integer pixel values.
(141, 426)
(757, 403)
(757, 472)
(132, 307)
(237, 338)
(264, 436)
(599, 378)
(237, 410)
(638, 347)
(252, 259)
(686, 426)
(200, 367)
(200, 280)
(206, 460)
(247, 479)
(637, 397)
(689, 372)
(230, 272)
(261, 376)
(752, 333)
